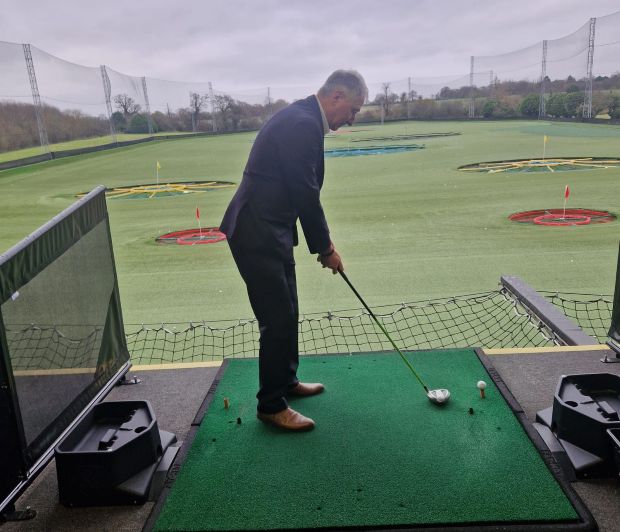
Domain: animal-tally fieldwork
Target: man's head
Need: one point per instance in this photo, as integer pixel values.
(342, 96)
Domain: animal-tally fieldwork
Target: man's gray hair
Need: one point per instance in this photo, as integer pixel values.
(350, 80)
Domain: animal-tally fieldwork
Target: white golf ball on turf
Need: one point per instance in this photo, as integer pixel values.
(481, 385)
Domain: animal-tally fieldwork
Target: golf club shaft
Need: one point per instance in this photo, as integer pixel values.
(344, 276)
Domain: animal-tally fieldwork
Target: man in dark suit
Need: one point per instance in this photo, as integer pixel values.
(281, 184)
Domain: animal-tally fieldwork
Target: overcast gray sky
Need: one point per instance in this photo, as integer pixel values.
(256, 43)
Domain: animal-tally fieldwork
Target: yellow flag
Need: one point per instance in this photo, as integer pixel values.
(545, 139)
(159, 165)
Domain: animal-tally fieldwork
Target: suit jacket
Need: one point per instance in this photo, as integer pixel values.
(282, 182)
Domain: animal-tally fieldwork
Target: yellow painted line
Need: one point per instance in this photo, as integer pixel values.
(549, 349)
(141, 367)
(179, 365)
(43, 372)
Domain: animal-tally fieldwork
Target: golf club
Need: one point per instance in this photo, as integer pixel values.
(439, 396)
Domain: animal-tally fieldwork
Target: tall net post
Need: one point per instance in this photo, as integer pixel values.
(36, 98)
(607, 49)
(212, 102)
(107, 90)
(472, 108)
(15, 93)
(408, 99)
(72, 104)
(587, 104)
(567, 61)
(147, 106)
(543, 77)
(269, 102)
(193, 113)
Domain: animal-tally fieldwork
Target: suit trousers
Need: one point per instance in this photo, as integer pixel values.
(272, 290)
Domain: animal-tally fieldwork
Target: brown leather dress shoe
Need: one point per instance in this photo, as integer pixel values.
(287, 419)
(307, 388)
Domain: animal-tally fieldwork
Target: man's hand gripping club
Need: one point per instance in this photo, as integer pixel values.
(331, 259)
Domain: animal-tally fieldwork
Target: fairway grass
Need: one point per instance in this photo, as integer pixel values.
(78, 144)
(409, 226)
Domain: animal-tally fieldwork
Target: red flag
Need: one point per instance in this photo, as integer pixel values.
(566, 192)
(197, 213)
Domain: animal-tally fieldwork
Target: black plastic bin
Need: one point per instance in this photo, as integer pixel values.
(114, 442)
(614, 434)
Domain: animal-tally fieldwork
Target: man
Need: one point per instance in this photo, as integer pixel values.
(281, 183)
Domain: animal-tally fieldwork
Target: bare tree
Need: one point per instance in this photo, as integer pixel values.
(224, 106)
(386, 100)
(127, 105)
(196, 103)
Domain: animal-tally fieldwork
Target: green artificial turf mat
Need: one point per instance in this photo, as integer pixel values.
(381, 454)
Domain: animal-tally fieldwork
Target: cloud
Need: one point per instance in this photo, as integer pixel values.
(243, 44)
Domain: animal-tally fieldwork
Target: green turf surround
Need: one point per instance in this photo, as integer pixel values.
(80, 143)
(409, 226)
(381, 453)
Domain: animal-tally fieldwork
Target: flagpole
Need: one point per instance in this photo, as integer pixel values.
(564, 210)
(157, 171)
(199, 224)
(544, 145)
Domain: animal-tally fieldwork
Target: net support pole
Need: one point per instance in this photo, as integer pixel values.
(472, 106)
(587, 103)
(107, 90)
(36, 99)
(192, 109)
(565, 330)
(408, 98)
(147, 105)
(269, 107)
(542, 108)
(212, 102)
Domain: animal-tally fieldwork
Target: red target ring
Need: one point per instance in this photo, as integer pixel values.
(563, 217)
(190, 237)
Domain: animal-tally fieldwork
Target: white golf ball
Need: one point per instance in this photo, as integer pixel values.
(481, 385)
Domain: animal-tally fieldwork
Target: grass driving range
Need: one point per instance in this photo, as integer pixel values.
(409, 225)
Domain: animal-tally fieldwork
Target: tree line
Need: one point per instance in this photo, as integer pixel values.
(226, 114)
(18, 122)
(18, 125)
(222, 113)
(502, 99)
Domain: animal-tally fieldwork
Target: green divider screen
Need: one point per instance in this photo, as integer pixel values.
(62, 338)
(614, 330)
(381, 455)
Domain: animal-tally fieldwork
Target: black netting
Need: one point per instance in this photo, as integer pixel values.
(490, 320)
(42, 348)
(591, 312)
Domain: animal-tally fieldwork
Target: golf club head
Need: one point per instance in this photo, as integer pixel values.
(439, 396)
